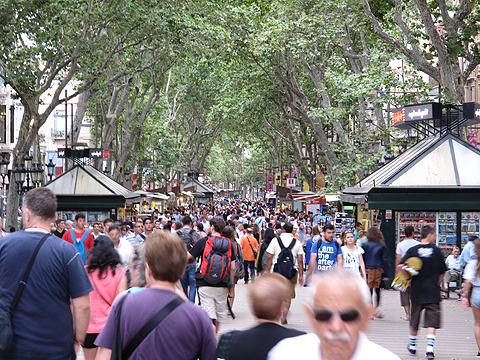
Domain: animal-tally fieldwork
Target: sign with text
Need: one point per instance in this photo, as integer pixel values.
(291, 182)
(471, 111)
(423, 112)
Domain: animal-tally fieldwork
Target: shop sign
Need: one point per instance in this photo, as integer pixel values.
(423, 112)
(388, 214)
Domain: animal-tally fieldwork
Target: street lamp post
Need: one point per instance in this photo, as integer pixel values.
(3, 173)
(51, 169)
(28, 172)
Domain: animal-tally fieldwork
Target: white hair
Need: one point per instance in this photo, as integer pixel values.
(342, 277)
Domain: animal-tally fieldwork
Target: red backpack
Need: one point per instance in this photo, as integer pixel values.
(216, 259)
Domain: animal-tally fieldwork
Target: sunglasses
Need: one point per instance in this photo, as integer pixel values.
(346, 316)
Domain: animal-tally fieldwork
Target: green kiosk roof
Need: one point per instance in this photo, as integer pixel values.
(438, 173)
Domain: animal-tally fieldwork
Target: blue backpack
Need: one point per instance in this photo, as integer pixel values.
(79, 245)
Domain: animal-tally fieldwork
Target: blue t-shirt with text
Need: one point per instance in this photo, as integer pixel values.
(327, 254)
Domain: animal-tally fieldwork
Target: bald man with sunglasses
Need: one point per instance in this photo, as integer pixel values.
(339, 316)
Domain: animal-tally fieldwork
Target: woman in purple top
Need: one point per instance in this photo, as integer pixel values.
(186, 333)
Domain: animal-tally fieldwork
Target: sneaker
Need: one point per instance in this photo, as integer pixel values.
(478, 355)
(411, 351)
(430, 355)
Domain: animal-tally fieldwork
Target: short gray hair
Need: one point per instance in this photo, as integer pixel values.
(42, 203)
(342, 277)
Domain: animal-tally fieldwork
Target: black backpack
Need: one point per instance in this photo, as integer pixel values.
(187, 237)
(285, 262)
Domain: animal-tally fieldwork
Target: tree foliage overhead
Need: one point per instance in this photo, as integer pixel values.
(440, 38)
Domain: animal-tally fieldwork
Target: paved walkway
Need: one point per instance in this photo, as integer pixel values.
(454, 341)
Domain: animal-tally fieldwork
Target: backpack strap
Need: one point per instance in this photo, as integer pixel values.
(149, 326)
(280, 243)
(292, 244)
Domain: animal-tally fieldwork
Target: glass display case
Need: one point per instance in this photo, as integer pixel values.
(417, 219)
(447, 231)
(470, 225)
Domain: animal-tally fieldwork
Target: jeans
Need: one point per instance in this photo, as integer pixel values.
(249, 265)
(189, 279)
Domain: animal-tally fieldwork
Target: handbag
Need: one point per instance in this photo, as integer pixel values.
(6, 333)
(118, 353)
(254, 252)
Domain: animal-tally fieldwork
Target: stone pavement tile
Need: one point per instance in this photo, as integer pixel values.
(454, 340)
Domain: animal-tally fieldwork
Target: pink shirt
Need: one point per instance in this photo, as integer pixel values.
(102, 296)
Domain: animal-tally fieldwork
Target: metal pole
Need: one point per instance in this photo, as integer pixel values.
(66, 138)
(71, 124)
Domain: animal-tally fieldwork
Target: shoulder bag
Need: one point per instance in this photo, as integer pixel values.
(6, 333)
(118, 352)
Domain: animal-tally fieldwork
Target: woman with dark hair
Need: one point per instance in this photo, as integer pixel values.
(376, 262)
(201, 230)
(262, 253)
(256, 232)
(108, 281)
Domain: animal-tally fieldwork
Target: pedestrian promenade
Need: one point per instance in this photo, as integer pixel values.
(454, 341)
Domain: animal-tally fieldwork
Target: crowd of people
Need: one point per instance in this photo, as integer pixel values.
(130, 290)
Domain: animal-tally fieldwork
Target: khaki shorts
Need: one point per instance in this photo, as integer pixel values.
(432, 315)
(293, 282)
(214, 301)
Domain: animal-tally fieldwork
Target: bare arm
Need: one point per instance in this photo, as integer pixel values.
(122, 286)
(311, 266)
(362, 267)
(189, 256)
(466, 288)
(81, 315)
(232, 271)
(103, 354)
(397, 262)
(268, 265)
(340, 260)
(300, 269)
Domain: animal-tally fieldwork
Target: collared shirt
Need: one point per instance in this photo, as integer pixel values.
(468, 253)
(453, 263)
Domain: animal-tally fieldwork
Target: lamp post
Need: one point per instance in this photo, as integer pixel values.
(50, 169)
(3, 173)
(28, 172)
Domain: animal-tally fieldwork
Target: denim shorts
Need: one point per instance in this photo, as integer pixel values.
(475, 299)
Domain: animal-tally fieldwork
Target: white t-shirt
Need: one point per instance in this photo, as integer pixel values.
(125, 250)
(308, 347)
(404, 245)
(350, 259)
(470, 273)
(275, 249)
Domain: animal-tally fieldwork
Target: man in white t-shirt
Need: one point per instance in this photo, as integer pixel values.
(339, 316)
(274, 250)
(123, 247)
(402, 248)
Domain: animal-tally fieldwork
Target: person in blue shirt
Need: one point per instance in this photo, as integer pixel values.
(468, 253)
(358, 228)
(326, 253)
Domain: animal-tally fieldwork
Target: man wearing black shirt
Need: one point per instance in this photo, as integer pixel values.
(60, 228)
(269, 297)
(425, 289)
